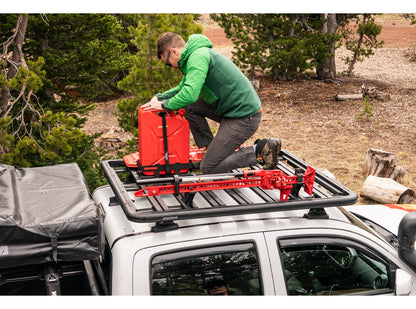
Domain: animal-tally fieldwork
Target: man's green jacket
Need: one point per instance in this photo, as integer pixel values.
(214, 78)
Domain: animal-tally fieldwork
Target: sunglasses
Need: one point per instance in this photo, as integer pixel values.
(167, 59)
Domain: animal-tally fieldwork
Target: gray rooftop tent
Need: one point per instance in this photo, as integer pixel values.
(47, 214)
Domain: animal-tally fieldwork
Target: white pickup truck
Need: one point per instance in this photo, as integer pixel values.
(169, 236)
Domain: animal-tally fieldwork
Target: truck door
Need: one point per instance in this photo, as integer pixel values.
(235, 265)
(329, 264)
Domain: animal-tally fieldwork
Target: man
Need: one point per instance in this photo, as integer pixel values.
(213, 87)
(217, 287)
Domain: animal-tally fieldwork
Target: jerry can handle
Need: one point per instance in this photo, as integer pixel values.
(182, 112)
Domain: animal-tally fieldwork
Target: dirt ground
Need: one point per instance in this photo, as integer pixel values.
(325, 132)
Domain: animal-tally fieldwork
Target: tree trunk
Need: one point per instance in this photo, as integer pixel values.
(355, 56)
(18, 57)
(383, 164)
(327, 69)
(16, 61)
(386, 191)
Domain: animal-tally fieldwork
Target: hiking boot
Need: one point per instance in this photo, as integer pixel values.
(270, 153)
(196, 165)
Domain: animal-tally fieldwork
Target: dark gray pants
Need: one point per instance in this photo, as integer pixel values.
(221, 155)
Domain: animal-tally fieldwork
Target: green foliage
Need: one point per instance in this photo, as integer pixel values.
(7, 23)
(83, 52)
(6, 140)
(55, 139)
(45, 41)
(31, 77)
(127, 114)
(367, 111)
(280, 45)
(147, 74)
(30, 137)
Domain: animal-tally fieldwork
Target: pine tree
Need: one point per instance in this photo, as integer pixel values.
(147, 74)
(30, 135)
(285, 45)
(83, 52)
(361, 39)
(280, 45)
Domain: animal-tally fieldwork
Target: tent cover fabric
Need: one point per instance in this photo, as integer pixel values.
(47, 214)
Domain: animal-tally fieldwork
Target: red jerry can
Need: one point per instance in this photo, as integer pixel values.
(163, 142)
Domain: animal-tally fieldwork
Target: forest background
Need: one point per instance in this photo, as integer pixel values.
(61, 72)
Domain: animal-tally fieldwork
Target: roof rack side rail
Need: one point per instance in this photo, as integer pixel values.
(110, 168)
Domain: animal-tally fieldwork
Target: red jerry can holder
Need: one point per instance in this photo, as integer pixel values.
(163, 144)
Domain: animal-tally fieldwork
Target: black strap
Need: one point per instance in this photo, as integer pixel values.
(54, 245)
(165, 141)
(176, 182)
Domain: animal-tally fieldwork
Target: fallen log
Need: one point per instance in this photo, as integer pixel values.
(382, 164)
(386, 191)
(344, 97)
(370, 92)
(111, 139)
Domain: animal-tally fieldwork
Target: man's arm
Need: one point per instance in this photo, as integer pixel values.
(196, 72)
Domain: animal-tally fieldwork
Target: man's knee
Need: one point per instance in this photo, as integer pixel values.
(204, 168)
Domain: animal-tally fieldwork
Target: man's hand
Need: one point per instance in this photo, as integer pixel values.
(154, 104)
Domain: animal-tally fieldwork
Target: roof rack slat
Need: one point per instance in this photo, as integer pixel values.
(263, 194)
(212, 198)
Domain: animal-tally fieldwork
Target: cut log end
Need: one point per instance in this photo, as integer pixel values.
(386, 191)
(406, 197)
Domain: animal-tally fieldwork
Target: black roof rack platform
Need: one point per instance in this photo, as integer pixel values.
(326, 192)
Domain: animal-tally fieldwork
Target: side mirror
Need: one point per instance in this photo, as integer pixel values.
(406, 237)
(404, 283)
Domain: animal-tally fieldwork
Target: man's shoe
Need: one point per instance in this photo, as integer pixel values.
(270, 153)
(196, 165)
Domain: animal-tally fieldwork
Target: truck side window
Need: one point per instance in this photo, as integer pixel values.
(329, 267)
(222, 270)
